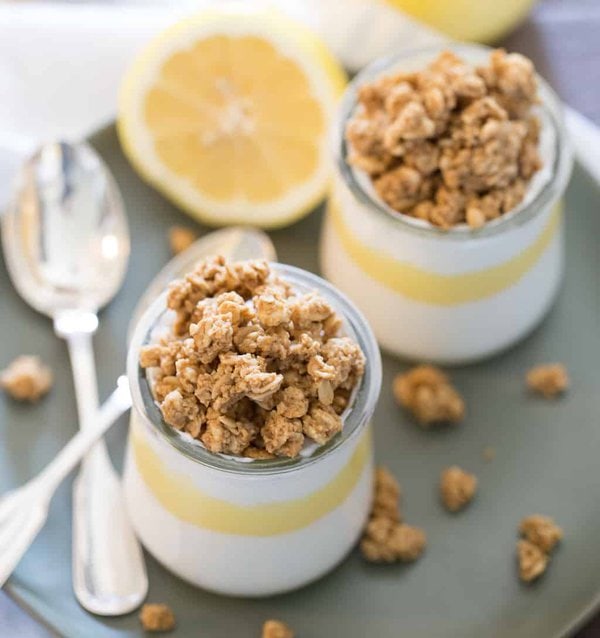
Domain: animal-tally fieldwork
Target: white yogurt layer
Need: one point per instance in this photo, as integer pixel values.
(242, 561)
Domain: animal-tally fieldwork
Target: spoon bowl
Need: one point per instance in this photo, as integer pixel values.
(65, 234)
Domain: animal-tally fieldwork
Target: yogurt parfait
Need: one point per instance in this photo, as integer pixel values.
(249, 465)
(445, 223)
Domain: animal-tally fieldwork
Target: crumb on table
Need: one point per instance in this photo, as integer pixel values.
(181, 238)
(276, 629)
(427, 393)
(26, 378)
(457, 488)
(157, 617)
(549, 379)
(386, 539)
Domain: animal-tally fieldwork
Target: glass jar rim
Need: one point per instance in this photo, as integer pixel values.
(547, 194)
(357, 416)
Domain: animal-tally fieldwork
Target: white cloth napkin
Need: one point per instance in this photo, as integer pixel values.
(61, 64)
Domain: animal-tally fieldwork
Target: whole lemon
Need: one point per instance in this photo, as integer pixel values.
(476, 20)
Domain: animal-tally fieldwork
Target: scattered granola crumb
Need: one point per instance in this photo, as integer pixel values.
(251, 367)
(388, 542)
(276, 629)
(26, 378)
(450, 144)
(457, 488)
(489, 454)
(181, 238)
(387, 493)
(532, 561)
(542, 531)
(386, 539)
(541, 535)
(427, 393)
(549, 380)
(157, 617)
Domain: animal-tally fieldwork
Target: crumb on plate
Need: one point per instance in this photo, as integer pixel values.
(457, 488)
(532, 561)
(549, 379)
(181, 238)
(427, 393)
(157, 617)
(386, 539)
(541, 531)
(276, 629)
(26, 378)
(540, 537)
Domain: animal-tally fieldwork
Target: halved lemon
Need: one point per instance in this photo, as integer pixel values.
(227, 113)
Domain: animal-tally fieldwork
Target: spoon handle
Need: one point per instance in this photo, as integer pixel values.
(109, 575)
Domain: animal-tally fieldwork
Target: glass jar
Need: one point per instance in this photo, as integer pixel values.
(241, 527)
(447, 296)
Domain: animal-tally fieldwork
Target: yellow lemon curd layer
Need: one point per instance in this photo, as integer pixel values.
(188, 503)
(433, 288)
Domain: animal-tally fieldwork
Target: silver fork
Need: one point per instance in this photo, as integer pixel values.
(23, 511)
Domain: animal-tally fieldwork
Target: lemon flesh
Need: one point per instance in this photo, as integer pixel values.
(227, 114)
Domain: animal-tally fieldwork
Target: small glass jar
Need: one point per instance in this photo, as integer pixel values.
(241, 527)
(447, 296)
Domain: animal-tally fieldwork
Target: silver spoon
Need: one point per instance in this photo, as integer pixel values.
(66, 245)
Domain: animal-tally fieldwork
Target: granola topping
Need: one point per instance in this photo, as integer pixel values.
(426, 392)
(386, 538)
(457, 488)
(26, 378)
(251, 367)
(451, 143)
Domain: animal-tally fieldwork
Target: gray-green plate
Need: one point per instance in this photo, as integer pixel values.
(547, 460)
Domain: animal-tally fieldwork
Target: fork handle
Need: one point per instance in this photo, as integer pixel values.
(68, 458)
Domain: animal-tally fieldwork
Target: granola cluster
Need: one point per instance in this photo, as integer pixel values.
(457, 488)
(157, 617)
(26, 378)
(276, 629)
(451, 143)
(540, 537)
(549, 380)
(181, 238)
(386, 538)
(252, 367)
(426, 392)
